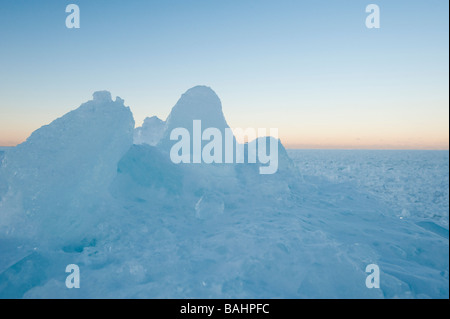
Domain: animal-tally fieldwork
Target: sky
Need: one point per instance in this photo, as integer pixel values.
(310, 68)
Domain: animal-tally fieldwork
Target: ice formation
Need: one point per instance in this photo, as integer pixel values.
(58, 178)
(78, 191)
(150, 132)
(198, 103)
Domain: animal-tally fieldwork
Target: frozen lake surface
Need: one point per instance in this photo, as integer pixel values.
(414, 183)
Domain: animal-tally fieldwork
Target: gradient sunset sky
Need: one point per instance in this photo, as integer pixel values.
(310, 68)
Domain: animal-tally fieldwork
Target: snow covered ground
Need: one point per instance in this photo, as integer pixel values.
(414, 183)
(78, 191)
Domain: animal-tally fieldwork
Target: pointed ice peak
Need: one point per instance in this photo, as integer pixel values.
(201, 91)
(119, 100)
(154, 120)
(150, 132)
(198, 103)
(102, 96)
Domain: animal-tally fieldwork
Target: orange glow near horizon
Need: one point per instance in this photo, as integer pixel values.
(10, 136)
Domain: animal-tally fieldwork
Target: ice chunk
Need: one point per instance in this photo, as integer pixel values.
(143, 170)
(63, 170)
(102, 96)
(150, 132)
(198, 103)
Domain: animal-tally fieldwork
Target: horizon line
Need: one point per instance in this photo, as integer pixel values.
(312, 148)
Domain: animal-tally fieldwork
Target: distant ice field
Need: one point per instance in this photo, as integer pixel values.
(414, 184)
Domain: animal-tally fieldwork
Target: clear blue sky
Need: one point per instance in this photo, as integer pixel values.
(310, 68)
